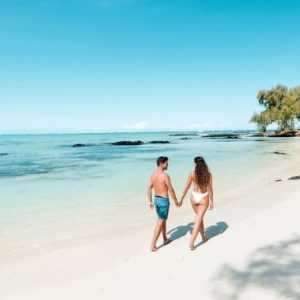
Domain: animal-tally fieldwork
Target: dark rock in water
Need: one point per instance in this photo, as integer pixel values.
(3, 154)
(184, 134)
(259, 140)
(82, 145)
(295, 177)
(223, 135)
(256, 135)
(185, 138)
(277, 180)
(159, 142)
(128, 143)
(281, 153)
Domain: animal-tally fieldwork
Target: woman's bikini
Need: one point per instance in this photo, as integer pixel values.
(198, 196)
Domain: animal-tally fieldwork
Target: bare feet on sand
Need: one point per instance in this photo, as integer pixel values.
(167, 241)
(204, 239)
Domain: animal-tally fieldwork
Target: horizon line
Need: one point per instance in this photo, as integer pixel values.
(122, 131)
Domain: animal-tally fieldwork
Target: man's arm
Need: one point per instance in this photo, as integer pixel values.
(149, 193)
(171, 190)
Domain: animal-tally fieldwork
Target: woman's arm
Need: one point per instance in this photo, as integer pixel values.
(187, 186)
(211, 193)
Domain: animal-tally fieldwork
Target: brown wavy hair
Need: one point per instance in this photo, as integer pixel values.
(202, 173)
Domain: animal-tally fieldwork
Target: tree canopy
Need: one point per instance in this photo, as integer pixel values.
(281, 106)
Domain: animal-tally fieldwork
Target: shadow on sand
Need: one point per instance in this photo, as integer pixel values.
(210, 232)
(274, 268)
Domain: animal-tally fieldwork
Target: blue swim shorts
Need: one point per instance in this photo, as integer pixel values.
(162, 205)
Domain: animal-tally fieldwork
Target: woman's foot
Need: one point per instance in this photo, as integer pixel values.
(154, 249)
(192, 247)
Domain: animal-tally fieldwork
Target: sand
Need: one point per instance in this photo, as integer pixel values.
(253, 252)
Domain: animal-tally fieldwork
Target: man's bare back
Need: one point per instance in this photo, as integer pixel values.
(159, 182)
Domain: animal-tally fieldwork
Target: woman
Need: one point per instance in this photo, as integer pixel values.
(201, 198)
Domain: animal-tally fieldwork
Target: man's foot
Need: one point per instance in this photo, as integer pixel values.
(192, 247)
(204, 239)
(167, 241)
(154, 249)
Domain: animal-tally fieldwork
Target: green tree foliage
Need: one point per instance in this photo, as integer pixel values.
(261, 120)
(281, 106)
(296, 93)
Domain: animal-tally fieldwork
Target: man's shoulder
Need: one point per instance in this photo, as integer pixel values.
(166, 175)
(154, 174)
(161, 174)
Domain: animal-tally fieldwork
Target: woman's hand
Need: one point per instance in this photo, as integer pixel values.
(181, 201)
(211, 205)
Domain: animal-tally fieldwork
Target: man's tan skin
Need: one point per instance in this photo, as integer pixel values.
(162, 185)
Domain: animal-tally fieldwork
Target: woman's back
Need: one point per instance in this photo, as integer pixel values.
(201, 182)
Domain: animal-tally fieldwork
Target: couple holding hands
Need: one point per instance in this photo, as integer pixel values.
(201, 198)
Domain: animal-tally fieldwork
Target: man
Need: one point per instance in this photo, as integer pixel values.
(161, 183)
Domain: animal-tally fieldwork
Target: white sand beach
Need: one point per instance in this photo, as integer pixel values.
(253, 253)
(99, 99)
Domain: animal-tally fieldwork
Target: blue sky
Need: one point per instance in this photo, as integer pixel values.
(105, 65)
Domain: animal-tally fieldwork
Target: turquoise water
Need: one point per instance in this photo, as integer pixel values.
(51, 191)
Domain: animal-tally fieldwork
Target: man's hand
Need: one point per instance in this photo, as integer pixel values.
(176, 203)
(151, 205)
(180, 203)
(211, 205)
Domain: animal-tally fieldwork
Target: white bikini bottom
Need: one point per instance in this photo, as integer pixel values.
(198, 196)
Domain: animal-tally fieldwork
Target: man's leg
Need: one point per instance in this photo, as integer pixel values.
(164, 233)
(156, 234)
(164, 230)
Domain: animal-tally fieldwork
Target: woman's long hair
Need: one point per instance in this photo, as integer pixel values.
(202, 173)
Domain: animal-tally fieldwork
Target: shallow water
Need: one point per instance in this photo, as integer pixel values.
(51, 191)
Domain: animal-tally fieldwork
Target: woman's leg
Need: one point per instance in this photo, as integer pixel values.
(204, 238)
(199, 218)
(195, 208)
(194, 205)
